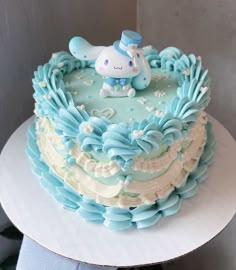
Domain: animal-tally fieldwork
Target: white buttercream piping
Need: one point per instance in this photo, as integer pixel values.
(148, 191)
(157, 164)
(100, 169)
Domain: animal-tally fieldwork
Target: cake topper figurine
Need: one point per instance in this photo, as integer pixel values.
(122, 65)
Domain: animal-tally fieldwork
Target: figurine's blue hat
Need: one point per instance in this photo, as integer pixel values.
(129, 40)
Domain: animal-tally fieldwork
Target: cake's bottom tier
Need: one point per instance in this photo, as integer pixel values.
(114, 217)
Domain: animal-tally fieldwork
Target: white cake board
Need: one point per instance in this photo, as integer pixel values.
(37, 215)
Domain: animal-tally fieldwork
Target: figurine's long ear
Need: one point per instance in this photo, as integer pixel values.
(83, 50)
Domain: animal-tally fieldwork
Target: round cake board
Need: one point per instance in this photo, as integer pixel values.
(37, 215)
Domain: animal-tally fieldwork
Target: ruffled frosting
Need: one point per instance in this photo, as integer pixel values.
(125, 141)
(113, 217)
(99, 169)
(118, 146)
(192, 78)
(68, 121)
(91, 132)
(50, 94)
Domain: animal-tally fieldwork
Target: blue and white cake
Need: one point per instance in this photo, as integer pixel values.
(120, 134)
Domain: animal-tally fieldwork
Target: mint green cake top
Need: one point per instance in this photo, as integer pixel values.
(84, 86)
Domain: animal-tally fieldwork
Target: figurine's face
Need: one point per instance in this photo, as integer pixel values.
(111, 63)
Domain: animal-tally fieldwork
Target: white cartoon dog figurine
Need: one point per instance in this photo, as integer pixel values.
(122, 65)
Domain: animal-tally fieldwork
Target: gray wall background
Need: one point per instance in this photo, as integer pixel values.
(31, 30)
(207, 28)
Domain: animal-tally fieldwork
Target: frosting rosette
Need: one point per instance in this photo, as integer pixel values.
(146, 135)
(91, 132)
(118, 145)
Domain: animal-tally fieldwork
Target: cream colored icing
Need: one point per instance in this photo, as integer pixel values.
(159, 163)
(100, 169)
(147, 191)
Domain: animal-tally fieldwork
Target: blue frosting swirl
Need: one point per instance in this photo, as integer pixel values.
(150, 138)
(68, 121)
(113, 217)
(168, 58)
(118, 145)
(50, 94)
(119, 141)
(152, 57)
(92, 141)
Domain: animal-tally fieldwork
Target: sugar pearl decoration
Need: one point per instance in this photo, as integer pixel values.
(47, 96)
(43, 84)
(80, 107)
(150, 108)
(204, 89)
(159, 113)
(159, 93)
(138, 133)
(60, 64)
(56, 70)
(142, 100)
(186, 72)
(89, 129)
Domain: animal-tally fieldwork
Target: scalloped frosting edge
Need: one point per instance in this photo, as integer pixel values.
(53, 101)
(113, 217)
(156, 187)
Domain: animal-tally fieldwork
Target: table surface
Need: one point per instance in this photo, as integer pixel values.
(41, 218)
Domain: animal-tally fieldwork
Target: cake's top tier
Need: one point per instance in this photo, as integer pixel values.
(153, 100)
(84, 85)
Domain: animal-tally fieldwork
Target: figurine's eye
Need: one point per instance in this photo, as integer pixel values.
(130, 63)
(106, 62)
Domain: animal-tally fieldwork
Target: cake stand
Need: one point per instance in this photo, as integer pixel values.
(37, 215)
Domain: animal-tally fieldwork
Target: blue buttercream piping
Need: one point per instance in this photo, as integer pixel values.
(117, 140)
(113, 217)
(92, 141)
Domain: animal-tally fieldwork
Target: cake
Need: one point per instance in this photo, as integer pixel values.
(121, 135)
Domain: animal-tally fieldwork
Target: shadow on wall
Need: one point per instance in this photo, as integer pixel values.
(30, 31)
(205, 27)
